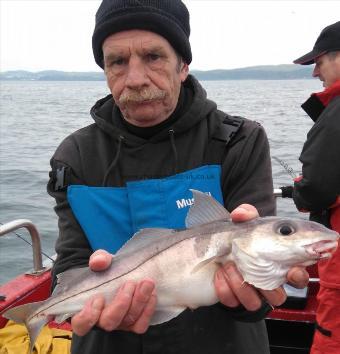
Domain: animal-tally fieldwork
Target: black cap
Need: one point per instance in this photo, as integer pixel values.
(168, 18)
(328, 41)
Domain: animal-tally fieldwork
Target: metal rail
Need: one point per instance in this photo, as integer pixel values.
(277, 192)
(36, 245)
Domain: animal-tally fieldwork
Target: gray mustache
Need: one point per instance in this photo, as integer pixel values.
(141, 96)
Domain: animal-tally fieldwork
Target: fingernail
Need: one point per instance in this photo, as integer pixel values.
(146, 288)
(297, 276)
(129, 288)
(229, 267)
(97, 304)
(241, 209)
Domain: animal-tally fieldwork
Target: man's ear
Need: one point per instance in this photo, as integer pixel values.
(184, 71)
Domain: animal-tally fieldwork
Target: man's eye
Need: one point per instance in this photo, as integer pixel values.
(114, 62)
(118, 61)
(153, 57)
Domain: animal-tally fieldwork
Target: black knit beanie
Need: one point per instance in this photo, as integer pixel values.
(168, 18)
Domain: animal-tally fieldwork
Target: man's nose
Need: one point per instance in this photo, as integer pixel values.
(136, 76)
(316, 71)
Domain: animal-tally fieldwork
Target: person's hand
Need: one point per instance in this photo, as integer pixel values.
(230, 287)
(287, 191)
(130, 310)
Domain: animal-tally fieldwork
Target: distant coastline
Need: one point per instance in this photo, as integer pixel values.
(262, 72)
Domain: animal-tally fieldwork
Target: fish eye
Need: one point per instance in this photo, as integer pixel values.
(286, 230)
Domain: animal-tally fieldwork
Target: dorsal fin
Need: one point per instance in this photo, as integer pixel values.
(143, 238)
(206, 209)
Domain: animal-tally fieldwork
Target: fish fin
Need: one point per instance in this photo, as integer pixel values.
(34, 327)
(65, 280)
(220, 258)
(202, 264)
(206, 209)
(21, 314)
(166, 314)
(63, 317)
(144, 238)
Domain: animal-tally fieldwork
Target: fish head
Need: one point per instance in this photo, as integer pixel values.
(273, 245)
(292, 241)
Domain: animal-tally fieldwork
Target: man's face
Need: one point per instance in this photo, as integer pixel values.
(327, 69)
(144, 75)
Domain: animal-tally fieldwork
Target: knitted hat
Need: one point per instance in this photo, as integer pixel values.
(328, 41)
(168, 18)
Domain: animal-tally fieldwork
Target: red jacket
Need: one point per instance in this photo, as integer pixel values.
(318, 189)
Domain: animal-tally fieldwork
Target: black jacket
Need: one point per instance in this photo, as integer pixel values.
(319, 186)
(106, 153)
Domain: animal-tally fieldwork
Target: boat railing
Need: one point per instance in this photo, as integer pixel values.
(14, 225)
(277, 192)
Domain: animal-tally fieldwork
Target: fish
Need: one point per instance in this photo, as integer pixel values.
(182, 263)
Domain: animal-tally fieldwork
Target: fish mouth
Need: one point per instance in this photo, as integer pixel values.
(321, 249)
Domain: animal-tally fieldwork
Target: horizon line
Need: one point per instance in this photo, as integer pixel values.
(193, 69)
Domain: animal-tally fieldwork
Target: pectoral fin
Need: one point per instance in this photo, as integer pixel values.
(220, 258)
(203, 264)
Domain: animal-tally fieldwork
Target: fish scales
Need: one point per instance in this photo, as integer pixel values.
(125, 264)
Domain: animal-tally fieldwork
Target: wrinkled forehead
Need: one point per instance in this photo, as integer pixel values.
(136, 39)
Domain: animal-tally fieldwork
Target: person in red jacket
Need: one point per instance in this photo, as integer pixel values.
(318, 189)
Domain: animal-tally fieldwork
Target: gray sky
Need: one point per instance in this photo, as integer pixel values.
(56, 34)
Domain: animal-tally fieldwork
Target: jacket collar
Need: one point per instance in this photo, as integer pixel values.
(318, 101)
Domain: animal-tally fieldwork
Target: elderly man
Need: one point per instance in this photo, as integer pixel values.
(154, 138)
(318, 189)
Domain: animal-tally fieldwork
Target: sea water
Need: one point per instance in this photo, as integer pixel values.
(36, 116)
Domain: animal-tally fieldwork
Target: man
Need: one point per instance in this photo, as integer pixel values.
(318, 189)
(153, 139)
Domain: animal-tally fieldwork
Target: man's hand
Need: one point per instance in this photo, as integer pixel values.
(233, 291)
(131, 309)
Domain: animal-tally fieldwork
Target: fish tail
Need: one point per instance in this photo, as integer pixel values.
(22, 314)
